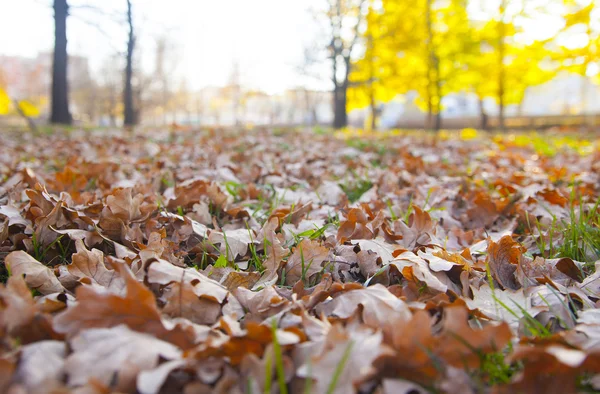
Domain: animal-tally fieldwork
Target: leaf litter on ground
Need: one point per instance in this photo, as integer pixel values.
(214, 261)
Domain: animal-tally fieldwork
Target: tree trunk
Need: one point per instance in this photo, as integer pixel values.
(340, 116)
(483, 114)
(373, 112)
(29, 121)
(60, 87)
(501, 68)
(128, 91)
(430, 59)
(438, 94)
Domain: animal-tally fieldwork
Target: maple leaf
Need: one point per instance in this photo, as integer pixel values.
(458, 339)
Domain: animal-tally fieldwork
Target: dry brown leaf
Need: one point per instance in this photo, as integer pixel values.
(378, 305)
(115, 356)
(233, 243)
(41, 365)
(90, 264)
(123, 205)
(503, 259)
(7, 370)
(272, 246)
(415, 268)
(182, 301)
(461, 345)
(353, 350)
(261, 304)
(37, 276)
(235, 279)
(137, 309)
(305, 261)
(163, 273)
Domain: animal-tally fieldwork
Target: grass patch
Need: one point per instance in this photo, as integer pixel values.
(494, 370)
(582, 235)
(356, 187)
(578, 239)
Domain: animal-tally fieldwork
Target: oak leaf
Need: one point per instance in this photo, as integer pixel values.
(115, 356)
(37, 276)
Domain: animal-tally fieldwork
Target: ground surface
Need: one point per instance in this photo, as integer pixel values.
(278, 261)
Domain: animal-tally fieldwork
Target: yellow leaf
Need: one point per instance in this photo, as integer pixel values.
(4, 102)
(29, 109)
(468, 134)
(580, 16)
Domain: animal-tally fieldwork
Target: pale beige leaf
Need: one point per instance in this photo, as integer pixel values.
(37, 276)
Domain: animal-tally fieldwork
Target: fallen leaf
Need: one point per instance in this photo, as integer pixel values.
(378, 305)
(503, 259)
(115, 356)
(90, 264)
(41, 365)
(305, 261)
(37, 276)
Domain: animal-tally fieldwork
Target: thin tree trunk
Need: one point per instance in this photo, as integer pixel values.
(374, 114)
(483, 114)
(29, 121)
(430, 59)
(128, 91)
(520, 108)
(60, 87)
(372, 99)
(501, 68)
(438, 94)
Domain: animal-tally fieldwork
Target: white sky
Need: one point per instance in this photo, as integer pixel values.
(266, 37)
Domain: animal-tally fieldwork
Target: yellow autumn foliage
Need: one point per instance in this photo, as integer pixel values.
(4, 102)
(29, 109)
